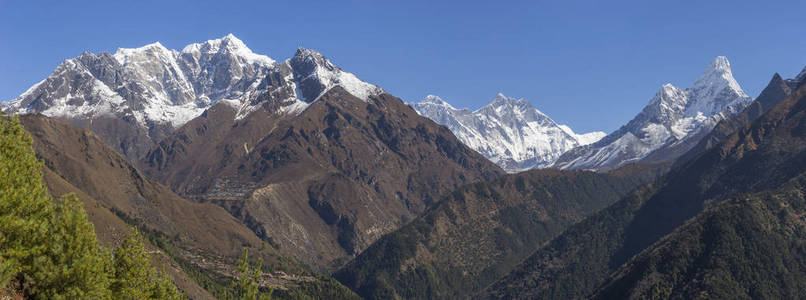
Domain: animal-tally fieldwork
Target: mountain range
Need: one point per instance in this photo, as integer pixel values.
(346, 191)
(508, 131)
(135, 97)
(282, 146)
(517, 136)
(673, 122)
(323, 184)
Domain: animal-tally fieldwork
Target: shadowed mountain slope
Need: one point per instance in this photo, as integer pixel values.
(759, 156)
(479, 232)
(751, 246)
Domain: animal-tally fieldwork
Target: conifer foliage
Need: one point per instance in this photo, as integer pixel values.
(25, 207)
(248, 285)
(48, 249)
(134, 278)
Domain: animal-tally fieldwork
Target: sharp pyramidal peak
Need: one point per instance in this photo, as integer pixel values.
(672, 123)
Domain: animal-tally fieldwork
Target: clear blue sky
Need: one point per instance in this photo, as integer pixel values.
(592, 65)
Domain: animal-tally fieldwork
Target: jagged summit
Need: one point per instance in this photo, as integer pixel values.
(155, 89)
(228, 44)
(502, 100)
(155, 45)
(509, 131)
(511, 111)
(309, 54)
(436, 100)
(316, 74)
(718, 71)
(124, 55)
(309, 61)
(501, 97)
(673, 121)
(714, 87)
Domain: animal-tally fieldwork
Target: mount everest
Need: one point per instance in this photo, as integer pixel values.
(508, 131)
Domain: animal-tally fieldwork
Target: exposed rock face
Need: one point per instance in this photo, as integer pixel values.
(136, 97)
(323, 184)
(509, 131)
(671, 124)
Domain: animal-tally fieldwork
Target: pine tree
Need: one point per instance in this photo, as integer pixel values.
(6, 274)
(131, 269)
(133, 276)
(248, 286)
(164, 288)
(78, 267)
(25, 208)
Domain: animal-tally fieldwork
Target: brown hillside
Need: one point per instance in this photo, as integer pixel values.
(116, 196)
(323, 184)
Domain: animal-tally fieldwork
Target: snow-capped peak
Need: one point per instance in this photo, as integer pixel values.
(436, 100)
(233, 42)
(155, 85)
(501, 99)
(315, 75)
(718, 75)
(671, 120)
(156, 48)
(502, 104)
(511, 108)
(152, 86)
(509, 131)
(228, 44)
(153, 46)
(668, 102)
(312, 56)
(715, 86)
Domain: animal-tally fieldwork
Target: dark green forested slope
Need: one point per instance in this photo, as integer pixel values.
(479, 232)
(759, 156)
(752, 246)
